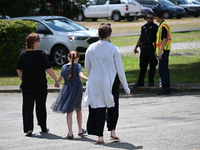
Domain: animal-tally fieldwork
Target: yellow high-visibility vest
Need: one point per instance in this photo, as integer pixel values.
(159, 35)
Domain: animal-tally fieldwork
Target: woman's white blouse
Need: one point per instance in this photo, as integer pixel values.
(103, 62)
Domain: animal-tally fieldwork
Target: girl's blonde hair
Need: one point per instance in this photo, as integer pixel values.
(73, 55)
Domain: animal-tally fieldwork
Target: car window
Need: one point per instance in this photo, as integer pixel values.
(115, 2)
(94, 2)
(147, 2)
(41, 28)
(166, 3)
(64, 25)
(156, 3)
(182, 2)
(101, 2)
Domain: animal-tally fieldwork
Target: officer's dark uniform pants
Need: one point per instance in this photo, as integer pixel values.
(98, 116)
(27, 109)
(147, 57)
(164, 70)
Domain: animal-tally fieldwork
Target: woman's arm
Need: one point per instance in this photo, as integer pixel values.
(51, 73)
(19, 72)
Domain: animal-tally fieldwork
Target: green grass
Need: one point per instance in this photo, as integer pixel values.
(176, 38)
(183, 69)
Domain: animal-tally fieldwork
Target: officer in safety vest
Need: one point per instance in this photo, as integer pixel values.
(146, 42)
(163, 46)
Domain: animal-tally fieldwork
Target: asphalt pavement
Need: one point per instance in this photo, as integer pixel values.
(146, 122)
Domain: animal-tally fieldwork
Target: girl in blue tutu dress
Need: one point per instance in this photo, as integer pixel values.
(70, 96)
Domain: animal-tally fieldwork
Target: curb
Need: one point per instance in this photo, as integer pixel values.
(175, 87)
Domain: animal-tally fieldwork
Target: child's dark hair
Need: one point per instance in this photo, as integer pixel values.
(105, 30)
(72, 55)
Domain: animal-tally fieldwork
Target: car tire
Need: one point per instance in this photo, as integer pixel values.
(116, 16)
(81, 17)
(166, 15)
(94, 19)
(130, 18)
(59, 55)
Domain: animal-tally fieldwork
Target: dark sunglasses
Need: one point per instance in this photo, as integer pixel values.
(149, 17)
(37, 40)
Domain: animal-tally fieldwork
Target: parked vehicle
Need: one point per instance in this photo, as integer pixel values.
(168, 9)
(195, 2)
(190, 9)
(144, 10)
(111, 9)
(6, 17)
(59, 35)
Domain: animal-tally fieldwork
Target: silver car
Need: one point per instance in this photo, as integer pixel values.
(59, 35)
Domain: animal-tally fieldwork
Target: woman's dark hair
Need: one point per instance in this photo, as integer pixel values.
(73, 55)
(105, 30)
(30, 39)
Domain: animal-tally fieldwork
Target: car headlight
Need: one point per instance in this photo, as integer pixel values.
(80, 38)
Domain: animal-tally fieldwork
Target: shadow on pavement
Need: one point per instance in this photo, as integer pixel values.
(113, 144)
(49, 136)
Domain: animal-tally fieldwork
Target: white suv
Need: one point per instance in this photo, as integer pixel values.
(59, 35)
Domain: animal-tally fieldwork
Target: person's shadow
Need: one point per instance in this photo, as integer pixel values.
(113, 144)
(48, 135)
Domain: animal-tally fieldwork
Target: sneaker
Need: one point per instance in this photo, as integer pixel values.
(136, 85)
(164, 91)
(84, 131)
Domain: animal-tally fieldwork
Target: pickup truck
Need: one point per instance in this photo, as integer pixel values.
(111, 9)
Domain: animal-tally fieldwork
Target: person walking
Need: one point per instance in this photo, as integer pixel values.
(70, 96)
(146, 42)
(31, 67)
(163, 46)
(104, 65)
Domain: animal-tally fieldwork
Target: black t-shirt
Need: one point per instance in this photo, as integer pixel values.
(33, 65)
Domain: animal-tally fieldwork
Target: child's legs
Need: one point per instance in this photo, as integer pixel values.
(69, 122)
(79, 120)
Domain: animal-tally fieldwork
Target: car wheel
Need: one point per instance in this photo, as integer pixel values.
(166, 15)
(196, 15)
(94, 19)
(59, 55)
(130, 18)
(116, 16)
(81, 17)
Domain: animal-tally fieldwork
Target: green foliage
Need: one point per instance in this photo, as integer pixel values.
(12, 37)
(19, 8)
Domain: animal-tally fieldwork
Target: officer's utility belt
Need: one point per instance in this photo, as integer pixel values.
(147, 46)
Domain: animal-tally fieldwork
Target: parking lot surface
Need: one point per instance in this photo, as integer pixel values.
(146, 122)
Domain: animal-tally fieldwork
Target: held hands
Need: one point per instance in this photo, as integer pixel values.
(56, 84)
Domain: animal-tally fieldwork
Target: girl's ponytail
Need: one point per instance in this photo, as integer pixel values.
(72, 55)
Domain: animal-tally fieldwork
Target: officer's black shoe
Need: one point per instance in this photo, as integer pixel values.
(164, 91)
(151, 84)
(136, 85)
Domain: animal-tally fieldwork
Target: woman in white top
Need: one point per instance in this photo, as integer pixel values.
(103, 63)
